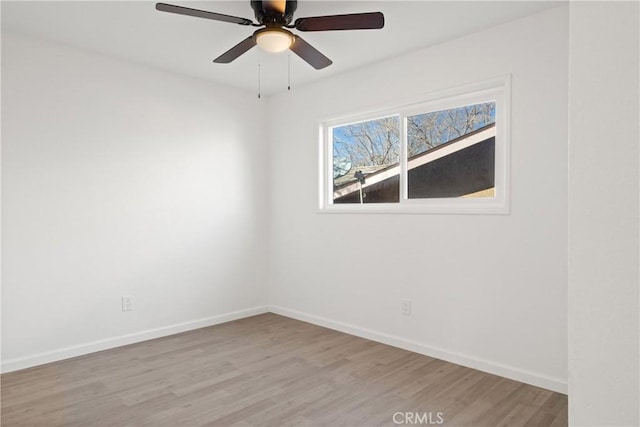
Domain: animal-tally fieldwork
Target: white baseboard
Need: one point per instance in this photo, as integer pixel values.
(538, 380)
(92, 347)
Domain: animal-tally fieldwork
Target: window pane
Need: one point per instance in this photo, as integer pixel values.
(365, 162)
(451, 153)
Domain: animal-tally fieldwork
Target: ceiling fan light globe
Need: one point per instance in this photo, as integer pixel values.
(274, 40)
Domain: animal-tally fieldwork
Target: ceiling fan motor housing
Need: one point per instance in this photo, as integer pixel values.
(271, 16)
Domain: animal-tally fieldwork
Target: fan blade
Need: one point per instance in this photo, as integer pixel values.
(355, 21)
(202, 14)
(236, 51)
(310, 54)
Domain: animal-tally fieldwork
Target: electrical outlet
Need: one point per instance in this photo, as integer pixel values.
(405, 307)
(127, 303)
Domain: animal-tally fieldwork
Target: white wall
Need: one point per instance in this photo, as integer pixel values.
(119, 179)
(604, 375)
(488, 290)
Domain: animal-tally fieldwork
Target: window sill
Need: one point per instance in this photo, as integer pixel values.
(438, 207)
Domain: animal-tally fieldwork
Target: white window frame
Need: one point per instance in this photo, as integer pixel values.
(497, 90)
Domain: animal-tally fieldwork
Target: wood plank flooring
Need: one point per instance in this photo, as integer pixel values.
(269, 370)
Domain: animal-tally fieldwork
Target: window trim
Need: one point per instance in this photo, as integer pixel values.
(497, 89)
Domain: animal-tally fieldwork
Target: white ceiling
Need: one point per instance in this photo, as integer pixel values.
(135, 31)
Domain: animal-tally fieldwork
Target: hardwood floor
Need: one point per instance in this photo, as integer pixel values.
(269, 370)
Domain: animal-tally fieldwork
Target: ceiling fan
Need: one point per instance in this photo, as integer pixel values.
(276, 16)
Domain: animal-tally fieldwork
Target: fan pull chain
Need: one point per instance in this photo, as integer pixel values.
(289, 71)
(258, 81)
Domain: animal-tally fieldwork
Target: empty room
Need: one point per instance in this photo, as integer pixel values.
(320, 213)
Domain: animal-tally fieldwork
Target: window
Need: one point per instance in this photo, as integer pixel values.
(442, 156)
(365, 160)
